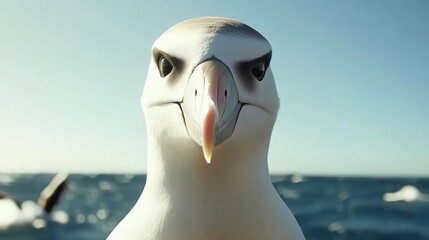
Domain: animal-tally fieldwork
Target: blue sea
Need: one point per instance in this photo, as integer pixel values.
(330, 208)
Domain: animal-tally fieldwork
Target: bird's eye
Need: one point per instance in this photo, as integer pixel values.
(258, 71)
(165, 67)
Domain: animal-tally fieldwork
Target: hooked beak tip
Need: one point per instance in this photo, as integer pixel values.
(207, 154)
(209, 133)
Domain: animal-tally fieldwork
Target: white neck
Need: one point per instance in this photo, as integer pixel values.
(230, 198)
(173, 168)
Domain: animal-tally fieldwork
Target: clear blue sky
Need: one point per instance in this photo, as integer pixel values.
(353, 77)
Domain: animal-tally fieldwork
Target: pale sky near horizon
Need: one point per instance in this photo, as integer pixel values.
(353, 78)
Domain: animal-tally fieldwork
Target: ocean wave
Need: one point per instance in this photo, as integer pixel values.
(407, 193)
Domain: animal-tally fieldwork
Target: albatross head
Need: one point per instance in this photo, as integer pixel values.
(210, 90)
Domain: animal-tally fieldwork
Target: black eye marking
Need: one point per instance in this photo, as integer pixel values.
(165, 67)
(254, 69)
(167, 64)
(258, 71)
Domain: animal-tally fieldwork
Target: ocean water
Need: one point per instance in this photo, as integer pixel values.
(330, 208)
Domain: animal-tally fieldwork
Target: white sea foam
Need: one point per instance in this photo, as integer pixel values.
(9, 213)
(60, 217)
(29, 214)
(297, 179)
(407, 193)
(6, 179)
(289, 193)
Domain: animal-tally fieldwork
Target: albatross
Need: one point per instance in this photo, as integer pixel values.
(15, 213)
(210, 103)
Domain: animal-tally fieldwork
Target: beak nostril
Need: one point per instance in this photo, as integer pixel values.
(225, 93)
(195, 92)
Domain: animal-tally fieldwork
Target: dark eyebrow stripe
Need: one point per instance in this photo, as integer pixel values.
(244, 69)
(266, 58)
(177, 62)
